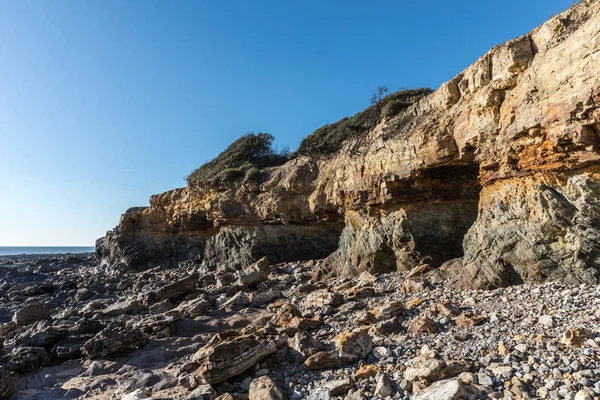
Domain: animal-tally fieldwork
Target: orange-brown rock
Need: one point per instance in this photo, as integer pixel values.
(349, 347)
(413, 285)
(414, 303)
(444, 308)
(423, 325)
(366, 371)
(575, 337)
(286, 315)
(469, 319)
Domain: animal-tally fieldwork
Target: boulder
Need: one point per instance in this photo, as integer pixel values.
(385, 386)
(469, 319)
(129, 306)
(138, 394)
(414, 285)
(285, 315)
(322, 298)
(27, 359)
(224, 357)
(389, 310)
(202, 392)
(349, 347)
(32, 313)
(423, 325)
(450, 389)
(264, 388)
(575, 336)
(109, 341)
(171, 290)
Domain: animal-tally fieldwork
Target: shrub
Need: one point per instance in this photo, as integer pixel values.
(248, 152)
(379, 94)
(329, 138)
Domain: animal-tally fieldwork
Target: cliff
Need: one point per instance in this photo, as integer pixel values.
(493, 179)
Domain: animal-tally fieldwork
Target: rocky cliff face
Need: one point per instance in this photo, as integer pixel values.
(492, 179)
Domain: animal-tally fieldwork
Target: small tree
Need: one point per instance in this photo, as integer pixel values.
(379, 94)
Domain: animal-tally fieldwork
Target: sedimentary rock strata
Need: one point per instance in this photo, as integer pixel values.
(493, 177)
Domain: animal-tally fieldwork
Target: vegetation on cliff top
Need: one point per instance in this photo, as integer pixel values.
(251, 152)
(243, 157)
(329, 138)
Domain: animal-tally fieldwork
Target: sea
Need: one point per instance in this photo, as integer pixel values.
(14, 250)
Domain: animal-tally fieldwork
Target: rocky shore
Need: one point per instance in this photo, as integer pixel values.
(437, 245)
(71, 328)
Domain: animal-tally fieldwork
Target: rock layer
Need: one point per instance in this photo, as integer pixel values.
(517, 133)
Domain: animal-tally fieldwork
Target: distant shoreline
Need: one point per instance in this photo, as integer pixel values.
(44, 250)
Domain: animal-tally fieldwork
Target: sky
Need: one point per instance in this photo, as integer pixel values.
(104, 103)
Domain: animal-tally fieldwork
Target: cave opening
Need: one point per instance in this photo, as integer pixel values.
(439, 225)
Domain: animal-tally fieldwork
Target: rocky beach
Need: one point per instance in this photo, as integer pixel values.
(73, 329)
(438, 245)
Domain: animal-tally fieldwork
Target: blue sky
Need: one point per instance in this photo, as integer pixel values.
(103, 103)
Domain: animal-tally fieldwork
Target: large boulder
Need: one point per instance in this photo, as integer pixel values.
(32, 313)
(224, 357)
(349, 347)
(112, 340)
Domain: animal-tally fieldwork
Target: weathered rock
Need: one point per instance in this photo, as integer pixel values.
(264, 388)
(123, 307)
(138, 394)
(251, 279)
(32, 313)
(389, 310)
(303, 345)
(194, 308)
(322, 298)
(286, 315)
(27, 359)
(494, 177)
(423, 325)
(236, 302)
(8, 383)
(444, 308)
(202, 392)
(450, 389)
(223, 357)
(384, 387)
(172, 290)
(469, 319)
(424, 367)
(339, 387)
(413, 285)
(366, 371)
(349, 347)
(575, 337)
(109, 341)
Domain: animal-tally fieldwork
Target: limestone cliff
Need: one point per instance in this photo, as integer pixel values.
(494, 178)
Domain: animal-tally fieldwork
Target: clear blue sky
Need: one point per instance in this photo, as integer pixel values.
(103, 103)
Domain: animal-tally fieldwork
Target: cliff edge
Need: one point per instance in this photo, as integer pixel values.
(493, 179)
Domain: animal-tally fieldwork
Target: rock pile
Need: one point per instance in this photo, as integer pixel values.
(175, 333)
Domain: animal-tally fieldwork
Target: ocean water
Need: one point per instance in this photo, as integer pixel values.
(12, 250)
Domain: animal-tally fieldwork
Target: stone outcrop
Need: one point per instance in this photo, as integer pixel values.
(493, 179)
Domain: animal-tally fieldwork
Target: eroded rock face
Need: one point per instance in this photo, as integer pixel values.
(497, 171)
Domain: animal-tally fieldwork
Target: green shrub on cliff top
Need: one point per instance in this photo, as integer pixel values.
(247, 154)
(329, 138)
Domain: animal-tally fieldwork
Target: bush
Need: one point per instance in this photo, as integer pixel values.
(251, 151)
(329, 138)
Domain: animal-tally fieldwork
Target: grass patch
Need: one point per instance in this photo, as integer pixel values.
(242, 159)
(329, 138)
